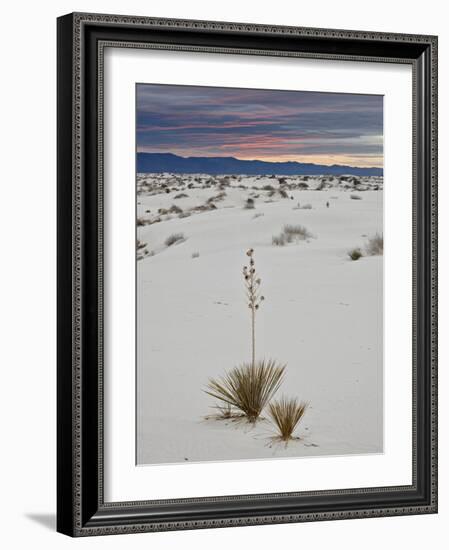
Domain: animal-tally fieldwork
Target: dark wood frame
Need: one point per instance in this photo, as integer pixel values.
(81, 509)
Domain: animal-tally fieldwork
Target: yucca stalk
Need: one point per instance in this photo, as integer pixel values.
(248, 387)
(286, 414)
(252, 284)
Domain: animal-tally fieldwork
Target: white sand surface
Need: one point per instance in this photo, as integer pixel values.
(322, 317)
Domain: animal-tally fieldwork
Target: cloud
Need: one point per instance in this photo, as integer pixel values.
(208, 121)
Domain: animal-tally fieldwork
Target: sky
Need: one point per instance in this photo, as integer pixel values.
(270, 125)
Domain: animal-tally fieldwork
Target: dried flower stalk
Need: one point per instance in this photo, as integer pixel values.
(252, 285)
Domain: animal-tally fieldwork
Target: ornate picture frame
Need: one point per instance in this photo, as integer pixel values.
(81, 508)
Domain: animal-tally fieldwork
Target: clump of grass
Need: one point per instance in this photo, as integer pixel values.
(279, 240)
(355, 254)
(375, 245)
(195, 255)
(225, 412)
(180, 196)
(248, 387)
(286, 415)
(174, 209)
(184, 215)
(250, 204)
(174, 238)
(293, 232)
(355, 197)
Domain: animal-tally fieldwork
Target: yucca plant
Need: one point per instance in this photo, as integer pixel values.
(248, 387)
(286, 415)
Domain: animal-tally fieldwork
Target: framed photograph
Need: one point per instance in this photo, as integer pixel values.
(247, 279)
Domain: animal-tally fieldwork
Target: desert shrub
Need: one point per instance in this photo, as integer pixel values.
(355, 254)
(248, 387)
(283, 193)
(174, 209)
(303, 185)
(268, 187)
(195, 255)
(174, 238)
(181, 196)
(296, 232)
(279, 240)
(286, 415)
(141, 222)
(290, 233)
(375, 245)
(355, 197)
(219, 197)
(249, 204)
(184, 215)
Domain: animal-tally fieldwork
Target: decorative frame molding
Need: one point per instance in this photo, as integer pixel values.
(81, 41)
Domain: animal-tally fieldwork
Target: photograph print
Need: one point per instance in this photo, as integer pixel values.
(259, 274)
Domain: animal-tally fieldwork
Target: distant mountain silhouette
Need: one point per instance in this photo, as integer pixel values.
(168, 162)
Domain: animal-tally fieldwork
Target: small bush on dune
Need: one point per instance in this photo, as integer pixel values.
(174, 238)
(248, 387)
(291, 233)
(195, 255)
(296, 232)
(249, 204)
(279, 240)
(375, 246)
(174, 209)
(286, 415)
(355, 254)
(355, 197)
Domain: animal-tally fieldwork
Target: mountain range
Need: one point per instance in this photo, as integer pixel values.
(168, 162)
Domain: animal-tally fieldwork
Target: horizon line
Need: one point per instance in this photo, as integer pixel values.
(260, 160)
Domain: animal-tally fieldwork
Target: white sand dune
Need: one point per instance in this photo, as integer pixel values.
(322, 317)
